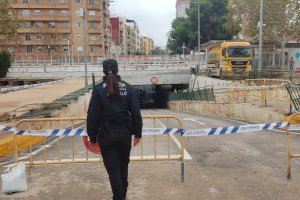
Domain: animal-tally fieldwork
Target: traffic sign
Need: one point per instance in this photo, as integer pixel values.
(154, 80)
(94, 149)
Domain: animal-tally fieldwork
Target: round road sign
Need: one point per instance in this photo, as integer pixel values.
(94, 149)
(154, 80)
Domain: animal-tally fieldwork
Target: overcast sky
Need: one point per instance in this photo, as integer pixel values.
(154, 17)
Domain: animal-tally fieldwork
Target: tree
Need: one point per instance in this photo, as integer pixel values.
(4, 63)
(281, 19)
(213, 17)
(9, 25)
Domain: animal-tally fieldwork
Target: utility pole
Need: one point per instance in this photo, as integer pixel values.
(260, 60)
(83, 13)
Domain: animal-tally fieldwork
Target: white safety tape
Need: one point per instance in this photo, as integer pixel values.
(235, 129)
(161, 131)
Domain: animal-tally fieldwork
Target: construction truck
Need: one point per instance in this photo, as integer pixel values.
(228, 60)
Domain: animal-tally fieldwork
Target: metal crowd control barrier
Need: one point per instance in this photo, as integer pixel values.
(293, 119)
(50, 123)
(201, 94)
(262, 82)
(294, 92)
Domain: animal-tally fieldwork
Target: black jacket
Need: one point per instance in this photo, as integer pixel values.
(123, 109)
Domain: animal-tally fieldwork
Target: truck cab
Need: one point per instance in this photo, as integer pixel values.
(229, 60)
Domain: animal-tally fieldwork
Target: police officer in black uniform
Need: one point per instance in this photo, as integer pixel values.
(113, 117)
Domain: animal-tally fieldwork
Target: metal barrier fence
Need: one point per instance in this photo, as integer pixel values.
(293, 119)
(275, 96)
(203, 94)
(265, 82)
(60, 141)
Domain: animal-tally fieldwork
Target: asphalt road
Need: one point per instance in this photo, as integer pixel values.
(247, 166)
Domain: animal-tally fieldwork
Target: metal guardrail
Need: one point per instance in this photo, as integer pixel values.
(294, 92)
(201, 94)
(293, 119)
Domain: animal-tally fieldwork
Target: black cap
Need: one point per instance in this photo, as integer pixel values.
(110, 65)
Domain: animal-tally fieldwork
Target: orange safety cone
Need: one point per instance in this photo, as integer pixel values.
(94, 149)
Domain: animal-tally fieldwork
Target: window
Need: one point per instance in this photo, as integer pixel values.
(37, 12)
(38, 36)
(63, 1)
(78, 25)
(28, 48)
(92, 25)
(91, 1)
(36, 1)
(26, 13)
(52, 24)
(65, 48)
(65, 36)
(92, 13)
(27, 37)
(64, 25)
(77, 1)
(79, 49)
(25, 1)
(64, 13)
(39, 49)
(37, 24)
(52, 12)
(77, 13)
(79, 37)
(50, 1)
(93, 49)
(26, 25)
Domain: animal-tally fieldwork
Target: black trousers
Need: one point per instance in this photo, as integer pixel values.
(115, 152)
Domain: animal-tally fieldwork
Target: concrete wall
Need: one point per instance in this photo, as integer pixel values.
(241, 111)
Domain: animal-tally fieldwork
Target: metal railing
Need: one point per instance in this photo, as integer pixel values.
(293, 119)
(63, 143)
(201, 94)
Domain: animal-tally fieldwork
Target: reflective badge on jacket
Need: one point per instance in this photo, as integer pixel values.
(122, 88)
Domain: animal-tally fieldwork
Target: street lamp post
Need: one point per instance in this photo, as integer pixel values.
(260, 61)
(199, 36)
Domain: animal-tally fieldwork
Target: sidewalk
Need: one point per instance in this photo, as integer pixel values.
(43, 94)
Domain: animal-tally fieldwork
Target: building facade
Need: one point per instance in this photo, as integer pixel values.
(132, 37)
(118, 30)
(181, 6)
(147, 45)
(55, 27)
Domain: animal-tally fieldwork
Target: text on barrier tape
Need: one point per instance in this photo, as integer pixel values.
(161, 131)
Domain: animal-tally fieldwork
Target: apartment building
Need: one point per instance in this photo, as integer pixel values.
(181, 6)
(118, 31)
(55, 27)
(147, 45)
(132, 37)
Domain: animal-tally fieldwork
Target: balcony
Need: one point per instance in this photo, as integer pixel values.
(44, 18)
(44, 30)
(41, 6)
(94, 6)
(98, 30)
(94, 18)
(44, 42)
(96, 42)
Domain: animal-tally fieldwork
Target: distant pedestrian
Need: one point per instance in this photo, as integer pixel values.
(113, 117)
(291, 63)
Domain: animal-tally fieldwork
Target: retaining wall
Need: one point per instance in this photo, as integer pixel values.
(242, 111)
